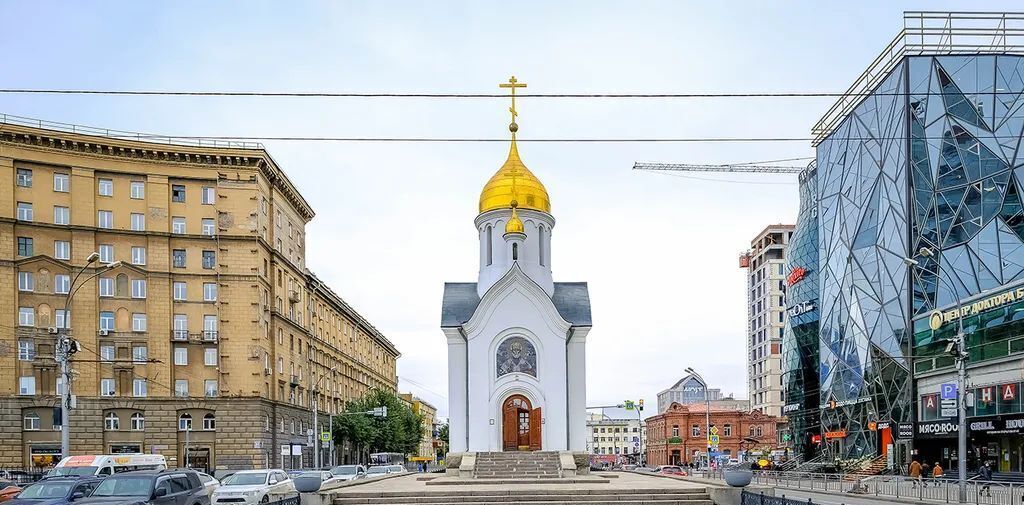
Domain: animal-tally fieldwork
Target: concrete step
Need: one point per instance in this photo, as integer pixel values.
(562, 492)
(429, 499)
(572, 501)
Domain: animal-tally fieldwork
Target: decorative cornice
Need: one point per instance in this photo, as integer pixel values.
(324, 291)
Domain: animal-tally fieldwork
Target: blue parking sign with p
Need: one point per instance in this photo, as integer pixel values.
(948, 391)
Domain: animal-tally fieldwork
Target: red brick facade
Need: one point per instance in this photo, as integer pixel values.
(674, 436)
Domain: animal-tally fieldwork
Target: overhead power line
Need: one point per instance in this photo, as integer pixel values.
(693, 167)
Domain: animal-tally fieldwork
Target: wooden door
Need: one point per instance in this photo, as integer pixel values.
(509, 429)
(535, 425)
(515, 423)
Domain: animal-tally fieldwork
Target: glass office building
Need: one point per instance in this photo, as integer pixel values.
(800, 339)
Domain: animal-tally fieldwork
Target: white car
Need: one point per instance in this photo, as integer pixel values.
(250, 487)
(209, 483)
(327, 479)
(376, 471)
(396, 469)
(349, 472)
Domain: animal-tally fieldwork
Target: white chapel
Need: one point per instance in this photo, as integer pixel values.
(516, 339)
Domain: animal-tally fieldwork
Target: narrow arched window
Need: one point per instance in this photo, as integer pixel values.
(515, 252)
(185, 422)
(540, 244)
(490, 249)
(209, 422)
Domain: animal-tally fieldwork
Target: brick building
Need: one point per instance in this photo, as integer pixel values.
(674, 436)
(203, 335)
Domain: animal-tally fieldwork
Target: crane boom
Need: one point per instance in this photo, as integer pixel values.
(695, 167)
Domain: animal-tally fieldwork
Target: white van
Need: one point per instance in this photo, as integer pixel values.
(107, 464)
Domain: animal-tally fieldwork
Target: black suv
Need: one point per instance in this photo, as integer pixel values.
(153, 487)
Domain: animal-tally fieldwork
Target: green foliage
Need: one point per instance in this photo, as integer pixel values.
(675, 440)
(400, 431)
(442, 433)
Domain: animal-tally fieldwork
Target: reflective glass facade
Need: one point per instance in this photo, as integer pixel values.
(800, 341)
(930, 159)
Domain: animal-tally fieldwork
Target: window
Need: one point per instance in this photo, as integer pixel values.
(138, 221)
(26, 316)
(61, 182)
(177, 225)
(727, 430)
(106, 253)
(280, 365)
(26, 385)
(25, 246)
(30, 422)
(107, 387)
(180, 356)
(178, 258)
(138, 288)
(24, 178)
(139, 387)
(208, 195)
(208, 227)
(177, 193)
(62, 249)
(26, 281)
(105, 219)
(106, 187)
(180, 327)
(140, 354)
(138, 255)
(24, 211)
(181, 387)
(138, 422)
(210, 388)
(209, 327)
(138, 321)
(61, 215)
(106, 286)
(138, 190)
(26, 350)
(106, 352)
(185, 422)
(210, 356)
(111, 422)
(209, 291)
(180, 290)
(695, 430)
(61, 284)
(209, 258)
(62, 319)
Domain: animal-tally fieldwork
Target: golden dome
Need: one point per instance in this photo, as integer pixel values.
(514, 182)
(514, 224)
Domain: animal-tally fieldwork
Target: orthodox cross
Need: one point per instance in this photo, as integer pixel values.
(512, 85)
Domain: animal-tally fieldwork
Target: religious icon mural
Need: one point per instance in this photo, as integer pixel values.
(516, 355)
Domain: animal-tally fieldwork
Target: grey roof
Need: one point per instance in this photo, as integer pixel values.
(571, 299)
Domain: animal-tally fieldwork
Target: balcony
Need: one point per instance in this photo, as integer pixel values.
(203, 337)
(295, 382)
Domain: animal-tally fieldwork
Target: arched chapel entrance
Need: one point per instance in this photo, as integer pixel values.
(520, 424)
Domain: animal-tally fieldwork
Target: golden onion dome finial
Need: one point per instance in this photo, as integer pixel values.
(513, 181)
(514, 224)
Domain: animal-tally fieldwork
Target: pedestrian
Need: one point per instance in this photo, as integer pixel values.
(926, 472)
(985, 472)
(915, 472)
(937, 471)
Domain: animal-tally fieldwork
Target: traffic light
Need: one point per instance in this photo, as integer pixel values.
(641, 404)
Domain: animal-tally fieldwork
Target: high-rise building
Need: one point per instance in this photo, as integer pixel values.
(766, 310)
(203, 336)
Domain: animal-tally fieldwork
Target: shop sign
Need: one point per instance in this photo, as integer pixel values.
(815, 439)
(872, 426)
(800, 308)
(883, 425)
(1009, 392)
(835, 434)
(796, 275)
(790, 408)
(937, 429)
(939, 318)
(905, 431)
(1013, 425)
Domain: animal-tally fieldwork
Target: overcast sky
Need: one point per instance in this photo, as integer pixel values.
(395, 221)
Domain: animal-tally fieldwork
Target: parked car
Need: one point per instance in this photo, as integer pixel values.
(396, 469)
(376, 471)
(8, 488)
(670, 470)
(248, 487)
(56, 491)
(156, 487)
(349, 472)
(209, 483)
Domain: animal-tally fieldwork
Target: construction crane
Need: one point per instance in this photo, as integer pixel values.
(696, 167)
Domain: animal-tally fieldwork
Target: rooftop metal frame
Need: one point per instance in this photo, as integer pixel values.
(126, 135)
(929, 33)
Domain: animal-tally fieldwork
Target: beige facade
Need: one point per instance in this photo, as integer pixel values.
(766, 290)
(212, 312)
(429, 412)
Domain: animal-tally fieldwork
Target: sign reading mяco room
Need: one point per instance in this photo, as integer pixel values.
(939, 318)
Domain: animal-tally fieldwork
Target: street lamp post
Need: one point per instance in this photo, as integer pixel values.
(316, 427)
(960, 342)
(707, 412)
(65, 350)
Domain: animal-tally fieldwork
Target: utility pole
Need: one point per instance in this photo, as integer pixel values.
(707, 412)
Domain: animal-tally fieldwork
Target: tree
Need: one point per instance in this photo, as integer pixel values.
(401, 431)
(442, 433)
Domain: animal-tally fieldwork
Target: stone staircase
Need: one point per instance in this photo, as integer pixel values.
(517, 465)
(875, 467)
(528, 496)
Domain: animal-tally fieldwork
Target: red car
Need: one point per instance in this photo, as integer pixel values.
(7, 490)
(671, 470)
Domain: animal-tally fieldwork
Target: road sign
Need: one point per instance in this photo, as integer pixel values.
(714, 430)
(325, 436)
(309, 439)
(629, 404)
(948, 391)
(286, 450)
(947, 408)
(713, 439)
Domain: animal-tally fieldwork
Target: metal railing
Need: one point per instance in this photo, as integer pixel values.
(126, 135)
(748, 498)
(923, 33)
(938, 490)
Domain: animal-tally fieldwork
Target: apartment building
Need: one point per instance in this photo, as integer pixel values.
(766, 304)
(202, 334)
(426, 451)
